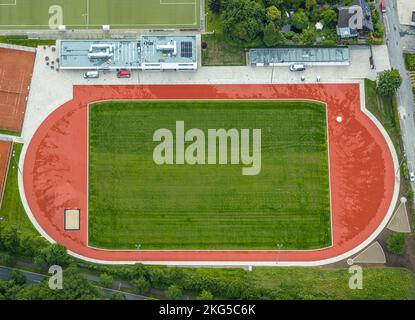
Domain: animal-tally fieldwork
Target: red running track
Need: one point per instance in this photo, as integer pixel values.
(361, 169)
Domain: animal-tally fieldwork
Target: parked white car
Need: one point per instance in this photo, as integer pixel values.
(91, 75)
(297, 67)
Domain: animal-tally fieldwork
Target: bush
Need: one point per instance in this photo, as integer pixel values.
(17, 277)
(205, 295)
(410, 61)
(396, 243)
(389, 82)
(118, 296)
(174, 292)
(9, 239)
(106, 280)
(141, 285)
(54, 254)
(214, 6)
(7, 259)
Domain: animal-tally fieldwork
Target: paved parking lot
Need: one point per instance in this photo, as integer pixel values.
(51, 88)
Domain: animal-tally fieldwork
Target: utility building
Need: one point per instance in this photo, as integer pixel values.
(148, 53)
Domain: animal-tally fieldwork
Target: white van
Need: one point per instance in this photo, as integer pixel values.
(91, 75)
(297, 67)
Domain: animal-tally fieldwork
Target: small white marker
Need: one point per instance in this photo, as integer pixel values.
(339, 119)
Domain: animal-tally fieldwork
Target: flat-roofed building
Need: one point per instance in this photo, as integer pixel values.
(309, 56)
(147, 53)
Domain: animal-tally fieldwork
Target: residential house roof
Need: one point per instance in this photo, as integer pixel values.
(349, 21)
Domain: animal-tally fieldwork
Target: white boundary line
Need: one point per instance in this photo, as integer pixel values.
(338, 258)
(207, 100)
(13, 3)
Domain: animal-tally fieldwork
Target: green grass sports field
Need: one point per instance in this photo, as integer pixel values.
(132, 200)
(37, 14)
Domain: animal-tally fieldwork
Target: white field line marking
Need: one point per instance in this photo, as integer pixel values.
(9, 4)
(207, 250)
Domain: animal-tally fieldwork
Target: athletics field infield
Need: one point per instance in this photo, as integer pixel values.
(83, 14)
(57, 184)
(133, 200)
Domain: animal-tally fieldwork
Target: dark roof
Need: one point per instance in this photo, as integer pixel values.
(345, 15)
(287, 28)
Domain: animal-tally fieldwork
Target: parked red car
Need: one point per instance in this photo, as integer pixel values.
(123, 74)
(383, 6)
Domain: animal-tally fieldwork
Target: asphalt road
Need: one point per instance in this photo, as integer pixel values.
(33, 278)
(405, 95)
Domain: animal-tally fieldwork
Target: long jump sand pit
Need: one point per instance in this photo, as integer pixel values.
(362, 183)
(16, 67)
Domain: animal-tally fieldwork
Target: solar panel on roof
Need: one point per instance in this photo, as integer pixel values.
(187, 49)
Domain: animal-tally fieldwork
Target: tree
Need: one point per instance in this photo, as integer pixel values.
(329, 17)
(54, 254)
(174, 293)
(205, 295)
(17, 277)
(273, 14)
(118, 296)
(308, 37)
(75, 287)
(6, 259)
(141, 285)
(300, 20)
(396, 243)
(9, 239)
(310, 4)
(106, 280)
(214, 6)
(272, 36)
(243, 19)
(30, 245)
(389, 82)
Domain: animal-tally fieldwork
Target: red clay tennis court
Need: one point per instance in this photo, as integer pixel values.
(362, 175)
(16, 69)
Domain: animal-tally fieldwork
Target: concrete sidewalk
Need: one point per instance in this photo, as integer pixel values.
(50, 88)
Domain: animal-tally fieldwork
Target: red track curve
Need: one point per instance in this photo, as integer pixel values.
(361, 169)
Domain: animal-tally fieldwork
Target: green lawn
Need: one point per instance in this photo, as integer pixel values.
(324, 283)
(11, 208)
(30, 14)
(295, 283)
(23, 40)
(385, 111)
(220, 52)
(282, 283)
(132, 200)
